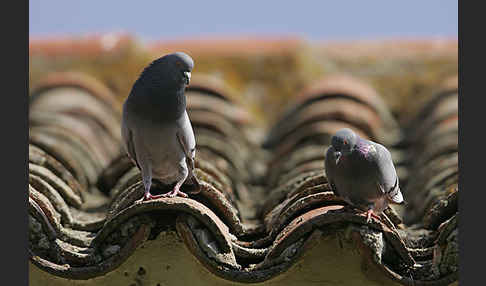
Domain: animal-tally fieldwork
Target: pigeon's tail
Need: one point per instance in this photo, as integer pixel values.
(193, 185)
(396, 197)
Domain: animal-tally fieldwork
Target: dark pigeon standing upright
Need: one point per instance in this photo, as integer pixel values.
(156, 130)
(362, 173)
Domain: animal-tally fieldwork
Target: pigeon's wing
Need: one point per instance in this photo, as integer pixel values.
(386, 175)
(330, 167)
(127, 136)
(185, 136)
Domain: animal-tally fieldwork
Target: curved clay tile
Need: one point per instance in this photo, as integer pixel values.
(87, 97)
(340, 86)
(236, 227)
(433, 159)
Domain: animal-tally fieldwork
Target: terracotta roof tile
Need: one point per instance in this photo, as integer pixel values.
(243, 224)
(227, 46)
(89, 45)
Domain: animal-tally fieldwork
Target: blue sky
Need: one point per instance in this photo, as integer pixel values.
(314, 20)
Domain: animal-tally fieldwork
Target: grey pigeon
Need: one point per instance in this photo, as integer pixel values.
(157, 134)
(362, 173)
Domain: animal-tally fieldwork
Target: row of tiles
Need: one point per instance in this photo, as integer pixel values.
(246, 224)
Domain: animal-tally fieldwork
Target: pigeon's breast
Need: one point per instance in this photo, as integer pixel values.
(162, 150)
(168, 162)
(164, 146)
(355, 178)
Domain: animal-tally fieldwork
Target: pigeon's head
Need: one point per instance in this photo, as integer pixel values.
(170, 71)
(181, 64)
(343, 143)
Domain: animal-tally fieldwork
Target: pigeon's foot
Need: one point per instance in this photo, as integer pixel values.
(369, 214)
(175, 192)
(148, 197)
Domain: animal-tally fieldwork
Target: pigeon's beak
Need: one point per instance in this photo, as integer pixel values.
(337, 154)
(187, 76)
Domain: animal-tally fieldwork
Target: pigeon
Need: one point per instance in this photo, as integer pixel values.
(362, 173)
(156, 130)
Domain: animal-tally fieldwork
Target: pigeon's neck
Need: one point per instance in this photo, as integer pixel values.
(161, 104)
(171, 106)
(363, 147)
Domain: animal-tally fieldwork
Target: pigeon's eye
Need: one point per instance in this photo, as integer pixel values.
(179, 64)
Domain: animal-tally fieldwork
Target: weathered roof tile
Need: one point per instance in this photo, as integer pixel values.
(243, 225)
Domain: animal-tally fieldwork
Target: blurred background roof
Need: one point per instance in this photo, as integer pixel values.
(313, 20)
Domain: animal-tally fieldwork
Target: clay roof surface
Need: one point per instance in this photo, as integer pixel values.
(265, 212)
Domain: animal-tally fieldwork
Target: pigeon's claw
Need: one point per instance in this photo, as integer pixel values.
(148, 196)
(369, 214)
(175, 192)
